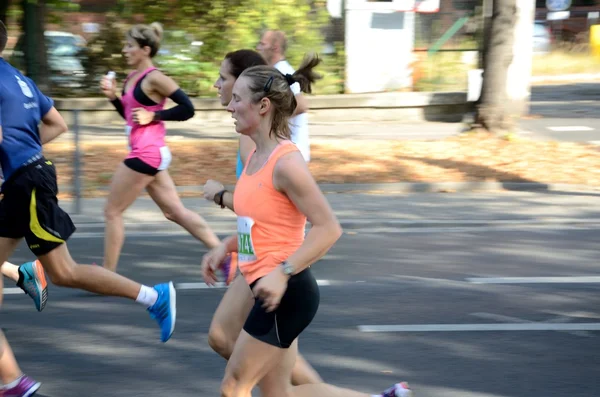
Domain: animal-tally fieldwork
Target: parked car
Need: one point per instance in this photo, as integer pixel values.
(64, 52)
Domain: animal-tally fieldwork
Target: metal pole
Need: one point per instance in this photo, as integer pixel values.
(77, 163)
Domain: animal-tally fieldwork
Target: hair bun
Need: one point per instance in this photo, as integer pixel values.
(158, 29)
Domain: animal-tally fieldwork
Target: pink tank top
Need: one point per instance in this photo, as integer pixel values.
(146, 142)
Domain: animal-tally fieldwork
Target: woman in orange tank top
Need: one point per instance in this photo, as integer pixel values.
(273, 199)
(235, 306)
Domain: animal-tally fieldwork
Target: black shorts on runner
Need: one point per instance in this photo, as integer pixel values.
(29, 208)
(295, 312)
(138, 165)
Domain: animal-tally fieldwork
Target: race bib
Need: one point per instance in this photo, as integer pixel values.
(246, 251)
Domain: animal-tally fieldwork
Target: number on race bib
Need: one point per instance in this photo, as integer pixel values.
(246, 251)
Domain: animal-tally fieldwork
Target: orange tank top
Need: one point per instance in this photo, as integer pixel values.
(270, 227)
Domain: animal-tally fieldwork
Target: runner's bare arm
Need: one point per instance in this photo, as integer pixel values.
(162, 84)
(52, 126)
(292, 177)
(215, 191)
(301, 104)
(230, 243)
(228, 200)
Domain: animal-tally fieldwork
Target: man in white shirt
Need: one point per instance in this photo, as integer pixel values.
(272, 47)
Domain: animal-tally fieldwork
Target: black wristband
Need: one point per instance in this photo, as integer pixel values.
(118, 106)
(219, 198)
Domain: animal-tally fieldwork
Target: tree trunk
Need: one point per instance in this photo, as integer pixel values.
(36, 60)
(4, 4)
(492, 112)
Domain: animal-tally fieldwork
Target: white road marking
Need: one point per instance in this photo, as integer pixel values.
(137, 234)
(509, 319)
(480, 327)
(12, 291)
(185, 286)
(573, 128)
(535, 280)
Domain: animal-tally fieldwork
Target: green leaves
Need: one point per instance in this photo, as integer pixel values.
(221, 26)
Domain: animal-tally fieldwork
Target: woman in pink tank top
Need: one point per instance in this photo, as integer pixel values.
(273, 199)
(144, 94)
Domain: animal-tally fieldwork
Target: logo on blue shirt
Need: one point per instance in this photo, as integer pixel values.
(24, 88)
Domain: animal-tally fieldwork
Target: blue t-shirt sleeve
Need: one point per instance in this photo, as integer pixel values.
(2, 89)
(44, 102)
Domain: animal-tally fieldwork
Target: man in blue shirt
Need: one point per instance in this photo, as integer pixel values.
(29, 209)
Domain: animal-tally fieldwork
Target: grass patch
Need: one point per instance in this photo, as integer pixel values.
(448, 71)
(559, 62)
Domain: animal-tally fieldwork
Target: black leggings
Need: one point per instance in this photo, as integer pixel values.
(295, 312)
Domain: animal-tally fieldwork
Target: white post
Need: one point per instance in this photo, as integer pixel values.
(518, 82)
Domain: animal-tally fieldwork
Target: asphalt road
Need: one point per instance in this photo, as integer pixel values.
(565, 112)
(86, 345)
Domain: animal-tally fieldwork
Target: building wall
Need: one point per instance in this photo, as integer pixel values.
(379, 43)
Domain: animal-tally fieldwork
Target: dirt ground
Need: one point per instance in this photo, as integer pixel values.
(475, 157)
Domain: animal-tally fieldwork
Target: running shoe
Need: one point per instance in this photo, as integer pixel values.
(164, 310)
(32, 280)
(398, 390)
(25, 388)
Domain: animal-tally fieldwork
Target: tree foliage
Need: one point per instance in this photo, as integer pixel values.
(221, 26)
(227, 25)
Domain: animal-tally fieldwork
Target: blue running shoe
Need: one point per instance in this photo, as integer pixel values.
(164, 310)
(32, 280)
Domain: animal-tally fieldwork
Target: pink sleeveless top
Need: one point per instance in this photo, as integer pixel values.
(146, 142)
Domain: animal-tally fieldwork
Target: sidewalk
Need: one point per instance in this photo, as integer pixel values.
(193, 130)
(390, 211)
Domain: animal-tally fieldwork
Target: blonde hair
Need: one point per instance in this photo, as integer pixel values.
(147, 35)
(268, 82)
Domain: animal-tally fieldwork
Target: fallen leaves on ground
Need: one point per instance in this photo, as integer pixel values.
(472, 157)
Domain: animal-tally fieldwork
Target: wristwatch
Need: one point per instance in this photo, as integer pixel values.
(218, 199)
(288, 268)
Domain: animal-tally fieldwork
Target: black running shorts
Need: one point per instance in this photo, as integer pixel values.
(297, 309)
(29, 208)
(138, 165)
